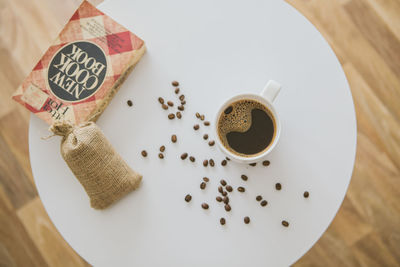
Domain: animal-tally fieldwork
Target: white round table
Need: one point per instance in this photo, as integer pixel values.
(215, 49)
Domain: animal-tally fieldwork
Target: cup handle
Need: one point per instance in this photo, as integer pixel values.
(271, 90)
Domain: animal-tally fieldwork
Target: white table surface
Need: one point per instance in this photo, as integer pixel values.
(215, 49)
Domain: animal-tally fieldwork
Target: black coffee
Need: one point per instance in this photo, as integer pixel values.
(246, 128)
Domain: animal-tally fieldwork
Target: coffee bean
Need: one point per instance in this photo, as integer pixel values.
(306, 194)
(207, 123)
(253, 164)
(182, 97)
(204, 206)
(225, 200)
(170, 103)
(246, 220)
(224, 193)
(181, 107)
(220, 189)
(258, 198)
(202, 117)
(184, 156)
(178, 115)
(144, 153)
(161, 100)
(229, 188)
(219, 199)
(285, 223)
(205, 136)
(227, 158)
(244, 177)
(264, 203)
(211, 143)
(266, 163)
(228, 110)
(177, 91)
(175, 83)
(203, 185)
(183, 102)
(162, 148)
(197, 115)
(188, 198)
(227, 207)
(222, 221)
(278, 186)
(164, 106)
(129, 102)
(223, 163)
(223, 182)
(161, 155)
(212, 163)
(206, 179)
(171, 116)
(196, 127)
(192, 159)
(241, 189)
(205, 163)
(174, 138)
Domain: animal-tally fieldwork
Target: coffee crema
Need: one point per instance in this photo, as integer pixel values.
(246, 128)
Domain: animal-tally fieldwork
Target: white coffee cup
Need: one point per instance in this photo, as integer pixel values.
(266, 98)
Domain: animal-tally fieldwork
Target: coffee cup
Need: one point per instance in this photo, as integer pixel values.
(247, 126)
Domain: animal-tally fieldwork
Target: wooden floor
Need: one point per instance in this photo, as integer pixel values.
(365, 35)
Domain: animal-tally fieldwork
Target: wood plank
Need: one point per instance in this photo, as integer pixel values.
(389, 11)
(52, 246)
(15, 244)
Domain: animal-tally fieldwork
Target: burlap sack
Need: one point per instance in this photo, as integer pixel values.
(99, 168)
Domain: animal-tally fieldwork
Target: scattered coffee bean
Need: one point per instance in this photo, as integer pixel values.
(212, 163)
(285, 223)
(246, 220)
(174, 138)
(264, 203)
(183, 102)
(178, 115)
(161, 100)
(197, 115)
(184, 156)
(224, 193)
(177, 91)
(171, 116)
(306, 194)
(182, 97)
(170, 103)
(258, 198)
(227, 158)
(278, 186)
(222, 221)
(203, 185)
(223, 163)
(206, 179)
(227, 207)
(229, 188)
(205, 163)
(196, 127)
(192, 159)
(144, 153)
(202, 117)
(266, 163)
(241, 189)
(219, 199)
(181, 107)
(205, 136)
(211, 143)
(129, 102)
(220, 189)
(228, 110)
(207, 123)
(175, 83)
(162, 148)
(188, 198)
(253, 164)
(223, 182)
(205, 206)
(164, 106)
(244, 177)
(161, 155)
(225, 200)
